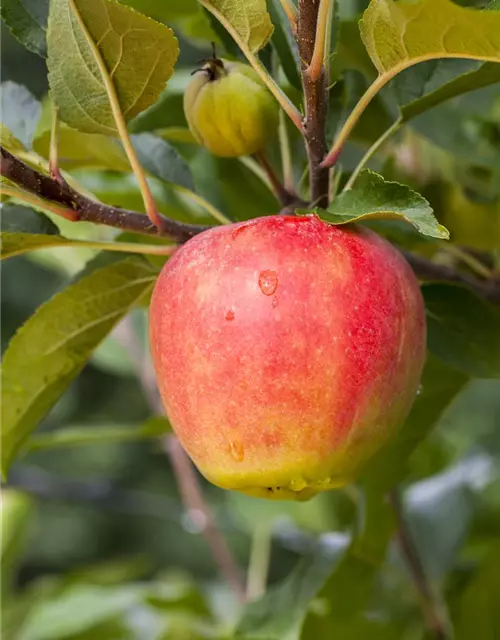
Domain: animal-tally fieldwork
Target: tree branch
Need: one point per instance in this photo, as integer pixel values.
(435, 622)
(315, 95)
(427, 270)
(86, 209)
(81, 208)
(185, 474)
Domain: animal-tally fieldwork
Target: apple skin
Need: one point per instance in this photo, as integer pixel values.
(287, 351)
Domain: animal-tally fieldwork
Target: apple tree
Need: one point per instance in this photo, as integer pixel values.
(279, 221)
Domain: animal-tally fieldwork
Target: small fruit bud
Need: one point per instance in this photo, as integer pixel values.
(229, 110)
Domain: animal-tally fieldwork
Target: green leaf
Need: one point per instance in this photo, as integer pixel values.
(325, 595)
(15, 509)
(9, 141)
(399, 35)
(440, 385)
(77, 149)
(249, 19)
(14, 244)
(343, 599)
(463, 330)
(27, 20)
(20, 112)
(478, 613)
(77, 609)
(78, 436)
(56, 342)
(93, 50)
(439, 511)
(16, 218)
(162, 160)
(281, 612)
(432, 90)
(375, 198)
(285, 44)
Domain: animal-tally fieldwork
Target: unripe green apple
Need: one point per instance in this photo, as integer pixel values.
(229, 110)
(287, 351)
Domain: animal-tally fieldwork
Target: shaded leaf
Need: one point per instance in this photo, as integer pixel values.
(20, 112)
(463, 330)
(440, 385)
(437, 87)
(439, 511)
(285, 44)
(375, 198)
(325, 595)
(162, 160)
(78, 436)
(105, 34)
(398, 35)
(55, 343)
(248, 19)
(281, 612)
(478, 614)
(27, 20)
(16, 218)
(343, 599)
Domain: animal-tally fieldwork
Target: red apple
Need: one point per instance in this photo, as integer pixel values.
(287, 350)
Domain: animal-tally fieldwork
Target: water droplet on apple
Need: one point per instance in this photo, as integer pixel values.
(229, 315)
(237, 451)
(275, 302)
(268, 282)
(420, 389)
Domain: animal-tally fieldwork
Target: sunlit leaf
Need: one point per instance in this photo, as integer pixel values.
(400, 34)
(249, 19)
(78, 149)
(374, 198)
(27, 20)
(78, 436)
(14, 244)
(55, 343)
(93, 50)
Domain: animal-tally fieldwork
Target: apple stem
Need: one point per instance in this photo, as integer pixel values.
(433, 608)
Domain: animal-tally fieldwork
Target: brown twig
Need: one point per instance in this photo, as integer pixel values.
(86, 209)
(435, 621)
(315, 96)
(284, 196)
(185, 475)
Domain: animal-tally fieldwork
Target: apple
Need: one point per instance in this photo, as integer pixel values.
(287, 351)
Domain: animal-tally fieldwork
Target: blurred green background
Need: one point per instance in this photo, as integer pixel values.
(109, 516)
